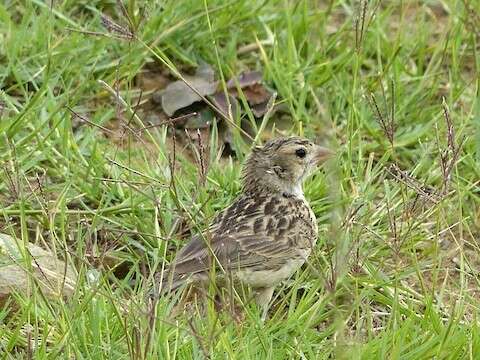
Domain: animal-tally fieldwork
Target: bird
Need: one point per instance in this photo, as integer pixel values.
(268, 231)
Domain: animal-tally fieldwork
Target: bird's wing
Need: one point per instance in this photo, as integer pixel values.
(232, 253)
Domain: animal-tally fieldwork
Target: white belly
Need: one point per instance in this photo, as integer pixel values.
(268, 278)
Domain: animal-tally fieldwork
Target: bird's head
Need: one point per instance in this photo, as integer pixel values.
(282, 164)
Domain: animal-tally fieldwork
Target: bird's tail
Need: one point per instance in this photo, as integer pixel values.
(166, 283)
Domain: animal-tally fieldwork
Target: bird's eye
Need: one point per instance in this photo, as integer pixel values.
(300, 152)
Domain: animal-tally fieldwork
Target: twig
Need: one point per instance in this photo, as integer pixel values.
(420, 188)
(387, 122)
(84, 119)
(449, 156)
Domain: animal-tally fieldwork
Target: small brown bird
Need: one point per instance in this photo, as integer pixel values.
(267, 233)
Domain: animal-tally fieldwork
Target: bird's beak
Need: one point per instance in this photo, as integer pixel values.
(322, 154)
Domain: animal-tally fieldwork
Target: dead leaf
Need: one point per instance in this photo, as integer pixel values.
(261, 109)
(257, 94)
(52, 275)
(220, 100)
(179, 95)
(247, 78)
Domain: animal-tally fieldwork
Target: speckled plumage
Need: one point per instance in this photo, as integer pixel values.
(267, 233)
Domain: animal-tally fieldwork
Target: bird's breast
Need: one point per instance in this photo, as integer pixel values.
(307, 228)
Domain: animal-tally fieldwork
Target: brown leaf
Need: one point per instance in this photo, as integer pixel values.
(260, 109)
(52, 275)
(220, 100)
(250, 83)
(256, 94)
(178, 95)
(268, 105)
(245, 79)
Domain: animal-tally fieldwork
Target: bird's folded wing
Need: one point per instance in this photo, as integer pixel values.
(232, 253)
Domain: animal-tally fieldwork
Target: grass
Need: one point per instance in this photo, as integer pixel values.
(396, 271)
